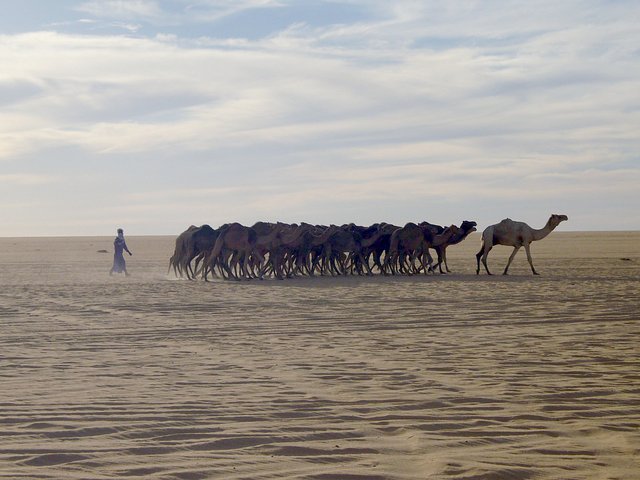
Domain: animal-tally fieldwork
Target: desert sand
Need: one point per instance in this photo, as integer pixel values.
(443, 376)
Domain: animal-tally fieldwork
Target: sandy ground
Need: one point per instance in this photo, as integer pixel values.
(445, 377)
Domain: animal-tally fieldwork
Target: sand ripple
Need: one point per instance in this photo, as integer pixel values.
(455, 377)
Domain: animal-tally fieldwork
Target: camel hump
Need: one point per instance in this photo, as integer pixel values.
(505, 224)
(252, 235)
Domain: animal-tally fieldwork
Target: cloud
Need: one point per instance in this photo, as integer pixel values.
(407, 103)
(174, 13)
(25, 179)
(125, 9)
(214, 10)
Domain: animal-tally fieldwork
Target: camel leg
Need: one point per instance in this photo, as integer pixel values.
(205, 269)
(173, 263)
(382, 263)
(444, 259)
(377, 263)
(230, 264)
(424, 263)
(393, 262)
(190, 272)
(387, 265)
(430, 267)
(528, 250)
(277, 268)
(484, 253)
(404, 264)
(478, 255)
(366, 263)
(440, 254)
(196, 268)
(513, 254)
(418, 262)
(261, 262)
(244, 269)
(393, 259)
(409, 263)
(342, 261)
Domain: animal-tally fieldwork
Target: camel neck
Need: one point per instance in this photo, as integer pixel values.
(442, 238)
(543, 232)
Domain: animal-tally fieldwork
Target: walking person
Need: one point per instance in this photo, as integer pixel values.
(119, 246)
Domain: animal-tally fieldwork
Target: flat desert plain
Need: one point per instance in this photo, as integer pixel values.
(443, 376)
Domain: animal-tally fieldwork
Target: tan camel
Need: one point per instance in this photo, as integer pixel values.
(411, 243)
(268, 241)
(338, 248)
(197, 246)
(516, 235)
(180, 252)
(240, 242)
(287, 257)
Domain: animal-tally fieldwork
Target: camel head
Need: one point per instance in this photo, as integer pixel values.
(468, 226)
(555, 220)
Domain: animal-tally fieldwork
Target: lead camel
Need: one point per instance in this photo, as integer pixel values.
(516, 235)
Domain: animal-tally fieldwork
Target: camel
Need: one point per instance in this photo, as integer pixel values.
(434, 238)
(268, 241)
(379, 246)
(407, 241)
(311, 252)
(516, 235)
(240, 241)
(197, 245)
(466, 227)
(370, 238)
(180, 251)
(286, 256)
(340, 246)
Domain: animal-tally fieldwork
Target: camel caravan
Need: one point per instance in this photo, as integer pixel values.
(280, 250)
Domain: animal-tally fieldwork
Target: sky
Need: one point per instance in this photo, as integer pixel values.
(153, 115)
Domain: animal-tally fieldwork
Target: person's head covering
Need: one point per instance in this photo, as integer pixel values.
(120, 233)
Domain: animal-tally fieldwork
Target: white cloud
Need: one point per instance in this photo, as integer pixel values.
(412, 102)
(127, 9)
(181, 12)
(25, 179)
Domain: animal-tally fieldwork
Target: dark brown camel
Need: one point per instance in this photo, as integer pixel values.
(466, 227)
(435, 240)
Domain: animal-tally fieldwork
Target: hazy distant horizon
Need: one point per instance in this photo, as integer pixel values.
(152, 115)
(175, 234)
